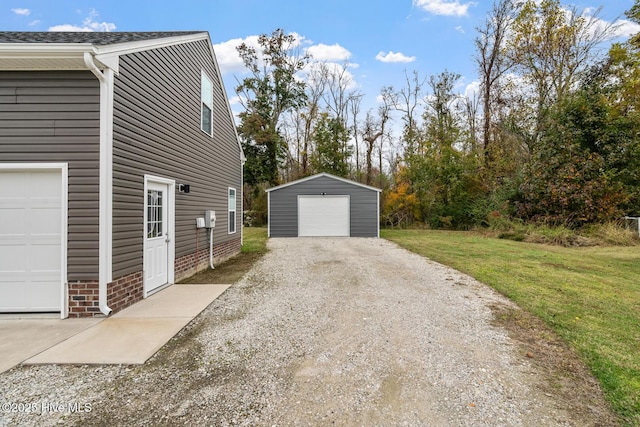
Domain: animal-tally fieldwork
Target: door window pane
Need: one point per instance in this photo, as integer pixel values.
(154, 213)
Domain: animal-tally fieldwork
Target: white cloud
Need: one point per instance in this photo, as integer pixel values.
(88, 24)
(472, 89)
(23, 12)
(460, 29)
(323, 52)
(228, 58)
(444, 7)
(394, 57)
(227, 55)
(625, 28)
(34, 23)
(333, 59)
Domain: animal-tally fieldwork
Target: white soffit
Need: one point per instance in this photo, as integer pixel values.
(41, 56)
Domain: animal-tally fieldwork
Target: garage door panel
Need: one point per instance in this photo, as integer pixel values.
(44, 258)
(13, 221)
(12, 257)
(45, 295)
(14, 185)
(35, 296)
(31, 240)
(323, 216)
(45, 221)
(44, 187)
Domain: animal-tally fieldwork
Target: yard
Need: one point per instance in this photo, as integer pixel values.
(589, 296)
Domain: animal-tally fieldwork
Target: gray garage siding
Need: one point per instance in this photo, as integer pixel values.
(283, 205)
(157, 132)
(54, 117)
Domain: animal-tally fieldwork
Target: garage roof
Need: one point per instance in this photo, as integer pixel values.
(324, 174)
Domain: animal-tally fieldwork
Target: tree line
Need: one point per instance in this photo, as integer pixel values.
(552, 135)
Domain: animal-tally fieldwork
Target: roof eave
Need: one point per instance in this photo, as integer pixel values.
(325, 174)
(44, 56)
(70, 56)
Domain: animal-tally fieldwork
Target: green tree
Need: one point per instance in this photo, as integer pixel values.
(443, 172)
(623, 95)
(271, 89)
(550, 47)
(575, 176)
(331, 152)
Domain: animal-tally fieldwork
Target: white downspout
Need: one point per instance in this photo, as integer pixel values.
(211, 248)
(106, 182)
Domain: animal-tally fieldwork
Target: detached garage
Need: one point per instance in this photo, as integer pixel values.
(324, 205)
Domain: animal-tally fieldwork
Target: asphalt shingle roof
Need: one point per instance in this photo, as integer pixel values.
(95, 38)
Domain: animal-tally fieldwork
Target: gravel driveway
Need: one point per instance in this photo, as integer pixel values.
(321, 331)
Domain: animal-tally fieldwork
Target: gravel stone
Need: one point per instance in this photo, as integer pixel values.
(321, 331)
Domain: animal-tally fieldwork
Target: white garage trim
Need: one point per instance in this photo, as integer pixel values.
(324, 215)
(63, 168)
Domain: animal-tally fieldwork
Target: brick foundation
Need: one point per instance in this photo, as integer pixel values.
(83, 299)
(189, 265)
(123, 292)
(127, 290)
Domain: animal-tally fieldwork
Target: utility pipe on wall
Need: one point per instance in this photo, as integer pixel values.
(211, 248)
(106, 104)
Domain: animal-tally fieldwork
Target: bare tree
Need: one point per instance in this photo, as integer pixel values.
(469, 107)
(337, 95)
(316, 87)
(373, 129)
(354, 109)
(492, 63)
(407, 101)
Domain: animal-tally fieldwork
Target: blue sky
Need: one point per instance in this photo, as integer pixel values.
(379, 38)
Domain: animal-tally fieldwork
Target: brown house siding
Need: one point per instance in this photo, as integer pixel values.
(157, 132)
(54, 117)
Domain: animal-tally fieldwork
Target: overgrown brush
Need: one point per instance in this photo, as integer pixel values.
(608, 234)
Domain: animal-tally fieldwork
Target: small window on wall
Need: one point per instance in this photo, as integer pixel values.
(206, 100)
(232, 210)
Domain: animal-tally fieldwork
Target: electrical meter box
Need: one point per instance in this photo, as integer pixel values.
(209, 219)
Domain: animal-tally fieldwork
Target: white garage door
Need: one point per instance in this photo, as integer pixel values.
(30, 240)
(323, 215)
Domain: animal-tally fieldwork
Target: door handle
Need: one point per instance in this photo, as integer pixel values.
(166, 238)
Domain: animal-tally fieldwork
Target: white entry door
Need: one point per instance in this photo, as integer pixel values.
(31, 249)
(323, 216)
(157, 237)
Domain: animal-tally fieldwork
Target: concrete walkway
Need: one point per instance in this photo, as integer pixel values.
(129, 337)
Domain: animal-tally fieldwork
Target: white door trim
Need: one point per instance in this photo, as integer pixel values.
(64, 171)
(171, 222)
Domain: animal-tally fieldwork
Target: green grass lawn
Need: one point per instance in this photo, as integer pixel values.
(253, 247)
(255, 240)
(589, 296)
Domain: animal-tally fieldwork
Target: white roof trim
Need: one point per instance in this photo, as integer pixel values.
(45, 56)
(60, 55)
(323, 174)
(243, 159)
(110, 54)
(34, 49)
